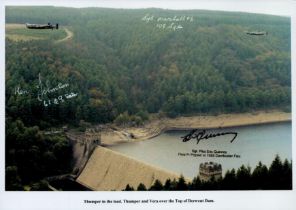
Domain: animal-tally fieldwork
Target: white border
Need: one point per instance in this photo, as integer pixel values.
(74, 200)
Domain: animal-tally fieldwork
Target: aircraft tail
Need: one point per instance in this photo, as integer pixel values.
(57, 26)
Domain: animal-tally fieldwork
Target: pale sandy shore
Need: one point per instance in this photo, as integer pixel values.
(155, 127)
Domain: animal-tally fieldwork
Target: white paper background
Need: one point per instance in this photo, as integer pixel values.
(271, 200)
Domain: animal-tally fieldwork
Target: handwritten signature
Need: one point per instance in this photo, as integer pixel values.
(59, 99)
(45, 89)
(202, 135)
(170, 23)
(19, 91)
(149, 18)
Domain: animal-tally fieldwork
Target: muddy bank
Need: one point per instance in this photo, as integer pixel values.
(115, 135)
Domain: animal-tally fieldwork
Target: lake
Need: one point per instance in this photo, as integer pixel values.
(252, 144)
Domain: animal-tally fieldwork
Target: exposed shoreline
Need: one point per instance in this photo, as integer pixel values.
(115, 135)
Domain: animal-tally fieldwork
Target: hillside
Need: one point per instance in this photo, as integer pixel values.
(120, 61)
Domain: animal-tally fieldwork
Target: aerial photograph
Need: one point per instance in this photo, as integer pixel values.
(146, 99)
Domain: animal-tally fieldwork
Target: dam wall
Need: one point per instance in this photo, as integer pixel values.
(109, 170)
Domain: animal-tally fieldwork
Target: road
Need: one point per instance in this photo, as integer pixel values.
(68, 37)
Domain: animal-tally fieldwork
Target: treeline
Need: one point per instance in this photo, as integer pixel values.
(277, 177)
(119, 64)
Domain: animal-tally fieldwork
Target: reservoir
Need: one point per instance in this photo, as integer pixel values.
(252, 144)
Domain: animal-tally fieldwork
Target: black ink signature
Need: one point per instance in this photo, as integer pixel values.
(199, 135)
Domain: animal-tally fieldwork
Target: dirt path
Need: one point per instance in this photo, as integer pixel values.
(69, 36)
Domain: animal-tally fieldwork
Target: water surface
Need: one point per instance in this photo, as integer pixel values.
(253, 144)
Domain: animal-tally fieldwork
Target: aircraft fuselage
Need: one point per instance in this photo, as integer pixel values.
(42, 26)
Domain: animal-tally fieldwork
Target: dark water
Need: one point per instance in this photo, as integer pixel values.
(253, 144)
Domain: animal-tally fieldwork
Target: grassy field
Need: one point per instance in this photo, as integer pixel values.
(19, 32)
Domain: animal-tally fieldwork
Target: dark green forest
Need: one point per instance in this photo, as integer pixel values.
(278, 176)
(119, 67)
(116, 63)
(31, 156)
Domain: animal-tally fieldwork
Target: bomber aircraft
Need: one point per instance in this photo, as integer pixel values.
(256, 33)
(42, 26)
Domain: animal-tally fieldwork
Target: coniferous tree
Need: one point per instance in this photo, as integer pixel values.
(157, 186)
(128, 188)
(275, 173)
(260, 177)
(141, 187)
(181, 184)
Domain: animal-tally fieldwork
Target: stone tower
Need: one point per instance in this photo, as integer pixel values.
(208, 170)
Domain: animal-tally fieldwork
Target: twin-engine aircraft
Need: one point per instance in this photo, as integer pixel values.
(42, 26)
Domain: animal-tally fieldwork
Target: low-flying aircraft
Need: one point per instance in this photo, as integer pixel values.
(256, 33)
(42, 26)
